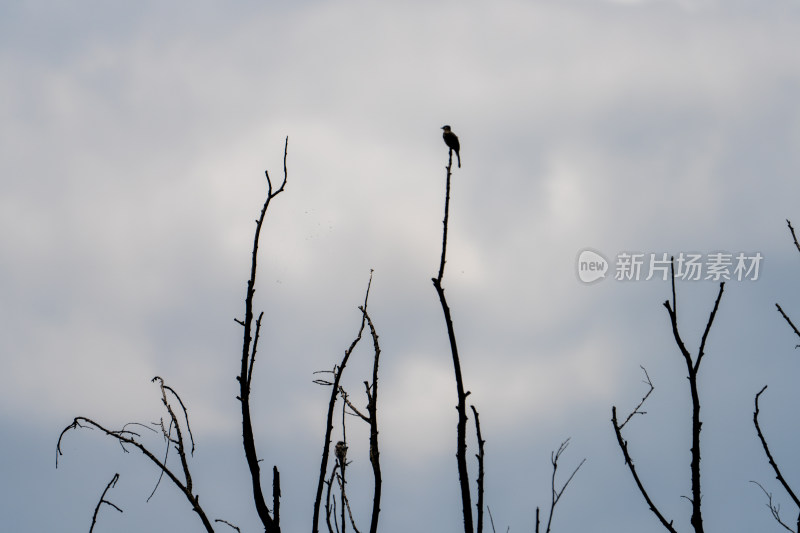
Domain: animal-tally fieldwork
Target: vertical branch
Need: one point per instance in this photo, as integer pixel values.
(341, 455)
(330, 509)
(461, 407)
(557, 493)
(372, 410)
(276, 494)
(479, 481)
(337, 376)
(692, 368)
(249, 345)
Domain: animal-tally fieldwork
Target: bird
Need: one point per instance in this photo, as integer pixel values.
(340, 451)
(451, 140)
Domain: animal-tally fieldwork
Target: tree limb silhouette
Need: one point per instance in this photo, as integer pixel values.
(774, 465)
(461, 407)
(249, 345)
(335, 391)
(103, 500)
(129, 437)
(692, 367)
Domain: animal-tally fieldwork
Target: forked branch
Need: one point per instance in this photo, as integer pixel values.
(555, 494)
(131, 438)
(249, 346)
(103, 500)
(692, 367)
(335, 391)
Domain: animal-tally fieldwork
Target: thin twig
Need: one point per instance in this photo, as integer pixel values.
(775, 509)
(103, 500)
(220, 520)
(555, 493)
(636, 411)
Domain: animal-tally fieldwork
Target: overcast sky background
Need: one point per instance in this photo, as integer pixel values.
(133, 141)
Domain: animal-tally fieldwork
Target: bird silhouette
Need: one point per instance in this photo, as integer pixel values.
(451, 140)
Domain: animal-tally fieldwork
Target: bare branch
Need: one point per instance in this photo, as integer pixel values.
(773, 464)
(128, 437)
(701, 351)
(372, 409)
(103, 500)
(352, 407)
(628, 461)
(335, 389)
(461, 406)
(479, 456)
(794, 237)
(228, 524)
(789, 320)
(557, 493)
(692, 368)
(775, 509)
(249, 346)
(636, 411)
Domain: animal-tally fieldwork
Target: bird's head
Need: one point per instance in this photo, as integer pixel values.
(446, 128)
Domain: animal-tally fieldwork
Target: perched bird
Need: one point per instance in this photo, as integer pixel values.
(451, 140)
(340, 451)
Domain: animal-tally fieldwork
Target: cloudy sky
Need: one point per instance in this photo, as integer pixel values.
(133, 144)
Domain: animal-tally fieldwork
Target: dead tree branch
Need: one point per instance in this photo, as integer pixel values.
(103, 500)
(554, 492)
(789, 320)
(479, 456)
(623, 444)
(774, 465)
(335, 391)
(636, 411)
(692, 367)
(249, 345)
(775, 509)
(780, 310)
(794, 237)
(221, 521)
(372, 409)
(461, 407)
(125, 436)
